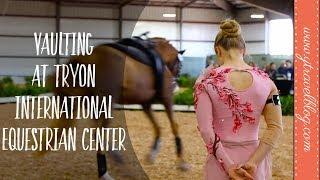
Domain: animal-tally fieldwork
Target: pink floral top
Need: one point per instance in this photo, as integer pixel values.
(226, 114)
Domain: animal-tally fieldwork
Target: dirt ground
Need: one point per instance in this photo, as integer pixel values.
(82, 164)
(195, 152)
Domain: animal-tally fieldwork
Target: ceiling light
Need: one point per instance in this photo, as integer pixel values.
(257, 16)
(169, 15)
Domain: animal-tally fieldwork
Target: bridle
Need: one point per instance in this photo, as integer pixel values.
(176, 65)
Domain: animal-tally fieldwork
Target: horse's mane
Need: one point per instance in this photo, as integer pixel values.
(159, 39)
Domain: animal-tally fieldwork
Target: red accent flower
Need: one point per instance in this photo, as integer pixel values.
(237, 124)
(251, 120)
(198, 88)
(248, 107)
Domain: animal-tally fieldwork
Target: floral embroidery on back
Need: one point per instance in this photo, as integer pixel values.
(241, 111)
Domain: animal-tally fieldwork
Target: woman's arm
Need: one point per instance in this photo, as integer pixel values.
(204, 118)
(214, 146)
(273, 117)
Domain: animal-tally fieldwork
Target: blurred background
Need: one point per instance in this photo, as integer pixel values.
(188, 24)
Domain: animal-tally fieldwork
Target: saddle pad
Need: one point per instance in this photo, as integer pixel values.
(143, 52)
(132, 52)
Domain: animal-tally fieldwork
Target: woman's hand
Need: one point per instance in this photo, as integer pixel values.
(236, 172)
(250, 167)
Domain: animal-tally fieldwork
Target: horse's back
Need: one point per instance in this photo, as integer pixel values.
(122, 76)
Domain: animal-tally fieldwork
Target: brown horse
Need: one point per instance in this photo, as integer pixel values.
(131, 82)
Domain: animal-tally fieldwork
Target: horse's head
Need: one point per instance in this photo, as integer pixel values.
(170, 55)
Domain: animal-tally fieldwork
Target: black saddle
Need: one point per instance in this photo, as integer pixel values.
(143, 51)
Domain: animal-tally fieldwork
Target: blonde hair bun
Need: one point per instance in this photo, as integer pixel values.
(230, 28)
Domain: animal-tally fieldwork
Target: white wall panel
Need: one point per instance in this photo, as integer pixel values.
(25, 46)
(148, 12)
(127, 28)
(17, 46)
(166, 30)
(207, 15)
(197, 49)
(255, 48)
(25, 25)
(253, 32)
(132, 12)
(87, 12)
(203, 49)
(98, 28)
(205, 32)
(23, 66)
(277, 16)
(11, 46)
(28, 8)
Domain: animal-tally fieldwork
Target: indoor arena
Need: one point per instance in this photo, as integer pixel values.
(190, 26)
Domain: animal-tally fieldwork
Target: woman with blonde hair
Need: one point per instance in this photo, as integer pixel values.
(229, 101)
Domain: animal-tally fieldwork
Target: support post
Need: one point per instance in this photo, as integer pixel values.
(266, 34)
(58, 14)
(120, 23)
(180, 27)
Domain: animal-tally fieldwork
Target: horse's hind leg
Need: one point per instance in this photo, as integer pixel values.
(156, 145)
(102, 166)
(101, 156)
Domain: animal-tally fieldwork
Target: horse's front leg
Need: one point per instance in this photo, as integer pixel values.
(167, 100)
(183, 165)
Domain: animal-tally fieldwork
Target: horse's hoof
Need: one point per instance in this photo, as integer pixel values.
(184, 166)
(151, 158)
(106, 176)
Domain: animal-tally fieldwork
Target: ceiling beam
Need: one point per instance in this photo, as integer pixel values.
(188, 3)
(282, 7)
(125, 2)
(225, 5)
(94, 5)
(85, 3)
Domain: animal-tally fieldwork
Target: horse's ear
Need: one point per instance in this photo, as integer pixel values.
(145, 34)
(181, 52)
